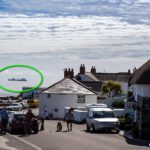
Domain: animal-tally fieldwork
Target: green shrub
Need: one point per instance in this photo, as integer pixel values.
(118, 104)
(130, 93)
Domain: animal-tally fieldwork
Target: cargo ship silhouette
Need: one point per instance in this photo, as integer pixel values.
(18, 79)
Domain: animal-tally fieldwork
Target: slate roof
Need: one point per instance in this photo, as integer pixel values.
(120, 77)
(90, 75)
(95, 86)
(68, 86)
(141, 75)
(92, 84)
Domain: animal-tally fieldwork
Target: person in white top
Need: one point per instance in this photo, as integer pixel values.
(43, 115)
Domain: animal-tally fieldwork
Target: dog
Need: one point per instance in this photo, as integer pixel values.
(59, 127)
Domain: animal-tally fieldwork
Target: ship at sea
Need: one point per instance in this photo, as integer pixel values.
(18, 79)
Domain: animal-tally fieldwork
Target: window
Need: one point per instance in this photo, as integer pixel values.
(49, 96)
(56, 109)
(81, 99)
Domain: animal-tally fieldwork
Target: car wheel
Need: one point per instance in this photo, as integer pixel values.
(93, 127)
(10, 130)
(117, 131)
(87, 128)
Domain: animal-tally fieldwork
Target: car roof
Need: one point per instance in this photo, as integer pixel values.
(16, 103)
(18, 112)
(101, 109)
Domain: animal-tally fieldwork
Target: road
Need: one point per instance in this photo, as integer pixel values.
(78, 139)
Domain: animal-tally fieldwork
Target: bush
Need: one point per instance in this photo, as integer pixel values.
(125, 122)
(118, 104)
(129, 94)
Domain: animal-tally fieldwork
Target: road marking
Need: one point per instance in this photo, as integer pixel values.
(3, 144)
(25, 142)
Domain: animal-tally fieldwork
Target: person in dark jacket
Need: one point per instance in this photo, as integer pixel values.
(27, 122)
(69, 119)
(4, 120)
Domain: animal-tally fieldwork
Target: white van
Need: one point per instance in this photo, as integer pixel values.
(102, 119)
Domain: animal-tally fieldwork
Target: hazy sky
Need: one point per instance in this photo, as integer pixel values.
(113, 35)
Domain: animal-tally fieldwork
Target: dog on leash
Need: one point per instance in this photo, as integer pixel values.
(59, 127)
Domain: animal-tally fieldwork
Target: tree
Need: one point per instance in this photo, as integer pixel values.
(112, 88)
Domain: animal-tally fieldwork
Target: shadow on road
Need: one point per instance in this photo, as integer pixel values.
(138, 142)
(99, 132)
(20, 133)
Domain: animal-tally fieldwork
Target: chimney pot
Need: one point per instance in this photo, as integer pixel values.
(82, 69)
(93, 70)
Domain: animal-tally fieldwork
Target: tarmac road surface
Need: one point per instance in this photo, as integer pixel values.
(78, 139)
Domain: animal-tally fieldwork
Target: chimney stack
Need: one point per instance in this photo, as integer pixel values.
(129, 71)
(82, 69)
(68, 73)
(65, 72)
(93, 70)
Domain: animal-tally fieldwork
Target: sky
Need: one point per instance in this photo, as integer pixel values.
(113, 35)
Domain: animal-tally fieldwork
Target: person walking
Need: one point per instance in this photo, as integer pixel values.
(4, 120)
(69, 119)
(43, 115)
(27, 121)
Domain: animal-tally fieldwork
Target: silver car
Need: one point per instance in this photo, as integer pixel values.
(15, 107)
(102, 119)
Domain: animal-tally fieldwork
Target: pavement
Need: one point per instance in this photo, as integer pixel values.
(129, 136)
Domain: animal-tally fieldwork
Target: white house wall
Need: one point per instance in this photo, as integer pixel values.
(142, 90)
(61, 101)
(124, 87)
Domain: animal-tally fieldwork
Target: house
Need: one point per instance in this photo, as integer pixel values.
(66, 93)
(140, 80)
(140, 84)
(95, 80)
(120, 77)
(89, 79)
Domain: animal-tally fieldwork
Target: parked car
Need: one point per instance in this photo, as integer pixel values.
(15, 121)
(102, 119)
(2, 101)
(33, 103)
(35, 125)
(24, 105)
(15, 107)
(0, 118)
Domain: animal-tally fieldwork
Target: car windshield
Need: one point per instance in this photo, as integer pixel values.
(103, 114)
(19, 116)
(14, 104)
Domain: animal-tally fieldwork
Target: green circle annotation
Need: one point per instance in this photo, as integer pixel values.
(22, 66)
